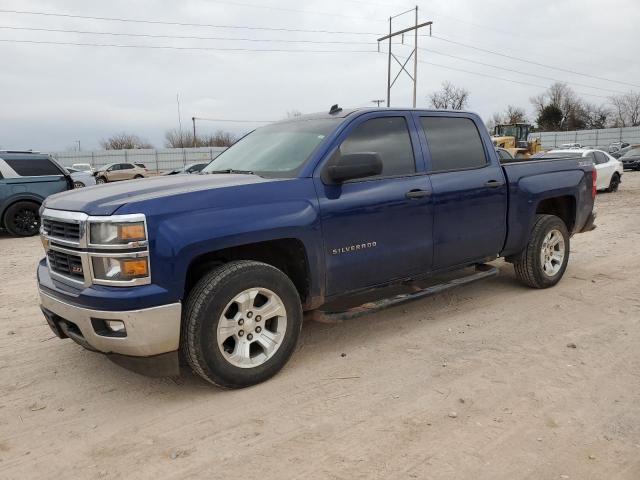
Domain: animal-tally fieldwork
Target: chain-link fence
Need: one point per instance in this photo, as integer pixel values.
(600, 139)
(155, 160)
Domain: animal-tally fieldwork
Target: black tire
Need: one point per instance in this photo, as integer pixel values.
(101, 180)
(22, 219)
(138, 176)
(78, 184)
(206, 304)
(614, 183)
(528, 264)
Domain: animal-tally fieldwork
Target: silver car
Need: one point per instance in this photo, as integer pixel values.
(81, 178)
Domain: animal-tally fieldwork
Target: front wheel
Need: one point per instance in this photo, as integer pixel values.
(101, 180)
(78, 184)
(544, 260)
(22, 219)
(241, 324)
(137, 177)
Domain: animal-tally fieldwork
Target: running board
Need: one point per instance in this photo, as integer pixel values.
(482, 271)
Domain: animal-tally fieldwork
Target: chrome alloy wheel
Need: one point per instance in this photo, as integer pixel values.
(552, 253)
(252, 327)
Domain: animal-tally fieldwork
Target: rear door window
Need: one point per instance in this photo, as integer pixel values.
(33, 167)
(454, 143)
(601, 158)
(387, 136)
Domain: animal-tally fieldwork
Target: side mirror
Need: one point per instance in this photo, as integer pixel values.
(355, 165)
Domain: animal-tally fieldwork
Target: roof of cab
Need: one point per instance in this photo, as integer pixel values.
(343, 113)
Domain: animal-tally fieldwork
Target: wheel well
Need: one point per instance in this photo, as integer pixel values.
(563, 207)
(18, 200)
(286, 254)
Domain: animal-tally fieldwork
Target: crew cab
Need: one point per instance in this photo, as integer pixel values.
(26, 179)
(297, 215)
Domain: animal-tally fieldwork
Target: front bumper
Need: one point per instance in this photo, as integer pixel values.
(150, 332)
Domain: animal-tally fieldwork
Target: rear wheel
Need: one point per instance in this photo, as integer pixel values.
(544, 260)
(241, 324)
(22, 219)
(138, 176)
(614, 183)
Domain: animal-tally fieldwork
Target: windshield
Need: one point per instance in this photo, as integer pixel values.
(634, 152)
(278, 150)
(519, 132)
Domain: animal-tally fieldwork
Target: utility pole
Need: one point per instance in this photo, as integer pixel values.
(378, 102)
(414, 54)
(193, 119)
(78, 142)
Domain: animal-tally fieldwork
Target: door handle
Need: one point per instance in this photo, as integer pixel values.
(493, 184)
(411, 194)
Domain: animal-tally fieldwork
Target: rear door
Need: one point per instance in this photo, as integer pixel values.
(377, 229)
(469, 190)
(605, 169)
(127, 171)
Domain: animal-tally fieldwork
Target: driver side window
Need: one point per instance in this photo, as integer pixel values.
(388, 137)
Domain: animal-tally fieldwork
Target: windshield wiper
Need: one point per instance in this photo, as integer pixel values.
(232, 170)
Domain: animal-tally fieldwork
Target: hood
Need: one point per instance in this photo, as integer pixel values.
(106, 199)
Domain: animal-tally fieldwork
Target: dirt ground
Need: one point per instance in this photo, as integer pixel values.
(478, 382)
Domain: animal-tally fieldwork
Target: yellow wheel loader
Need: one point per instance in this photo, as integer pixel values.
(514, 138)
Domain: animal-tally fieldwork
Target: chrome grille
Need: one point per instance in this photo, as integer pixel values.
(63, 230)
(66, 264)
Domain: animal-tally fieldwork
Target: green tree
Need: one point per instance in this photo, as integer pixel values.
(550, 118)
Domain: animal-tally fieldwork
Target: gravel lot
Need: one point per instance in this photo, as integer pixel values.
(480, 382)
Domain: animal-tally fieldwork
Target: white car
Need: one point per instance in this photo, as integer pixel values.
(81, 178)
(82, 167)
(572, 146)
(609, 168)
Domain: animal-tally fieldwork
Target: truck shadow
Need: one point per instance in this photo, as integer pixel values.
(320, 341)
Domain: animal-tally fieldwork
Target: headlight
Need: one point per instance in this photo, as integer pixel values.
(107, 233)
(120, 269)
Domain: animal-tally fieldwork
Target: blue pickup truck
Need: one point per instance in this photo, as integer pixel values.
(300, 214)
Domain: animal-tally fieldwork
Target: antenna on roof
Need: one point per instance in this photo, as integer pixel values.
(334, 109)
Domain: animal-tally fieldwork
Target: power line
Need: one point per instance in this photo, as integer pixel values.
(170, 47)
(343, 42)
(517, 71)
(532, 62)
(486, 75)
(183, 24)
(183, 37)
(296, 10)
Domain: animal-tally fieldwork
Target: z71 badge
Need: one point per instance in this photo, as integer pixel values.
(353, 248)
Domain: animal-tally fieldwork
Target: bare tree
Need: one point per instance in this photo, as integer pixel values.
(217, 139)
(124, 141)
(496, 119)
(293, 113)
(177, 139)
(515, 114)
(626, 109)
(449, 98)
(559, 107)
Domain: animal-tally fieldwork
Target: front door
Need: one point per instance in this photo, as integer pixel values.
(469, 191)
(377, 229)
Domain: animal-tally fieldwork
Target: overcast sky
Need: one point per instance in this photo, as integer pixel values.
(54, 95)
